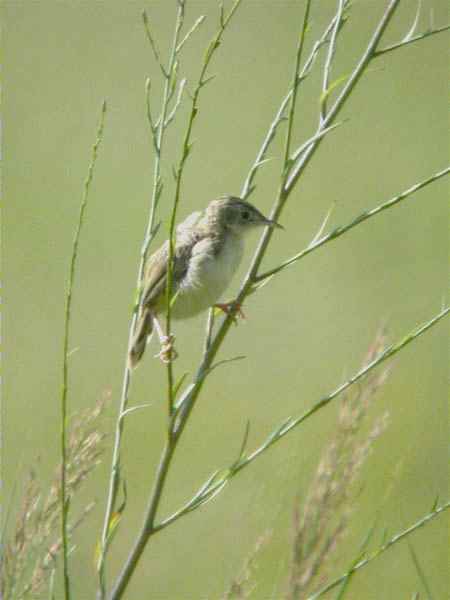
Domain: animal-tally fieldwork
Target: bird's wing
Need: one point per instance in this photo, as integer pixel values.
(156, 272)
(189, 221)
(155, 276)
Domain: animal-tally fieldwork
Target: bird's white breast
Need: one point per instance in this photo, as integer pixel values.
(208, 275)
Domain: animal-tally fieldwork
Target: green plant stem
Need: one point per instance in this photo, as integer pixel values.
(66, 339)
(158, 138)
(357, 73)
(249, 186)
(391, 351)
(279, 117)
(336, 233)
(416, 38)
(381, 550)
(295, 83)
(329, 58)
(216, 484)
(420, 572)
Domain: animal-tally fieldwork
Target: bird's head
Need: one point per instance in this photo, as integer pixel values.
(237, 215)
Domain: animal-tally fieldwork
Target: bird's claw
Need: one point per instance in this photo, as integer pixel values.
(233, 309)
(167, 353)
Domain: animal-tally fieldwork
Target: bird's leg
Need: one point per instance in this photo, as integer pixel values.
(167, 352)
(233, 308)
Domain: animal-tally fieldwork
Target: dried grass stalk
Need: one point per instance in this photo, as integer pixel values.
(322, 522)
(31, 549)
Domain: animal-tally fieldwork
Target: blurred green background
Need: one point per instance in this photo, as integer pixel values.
(305, 331)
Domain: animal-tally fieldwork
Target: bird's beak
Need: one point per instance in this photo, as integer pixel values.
(274, 224)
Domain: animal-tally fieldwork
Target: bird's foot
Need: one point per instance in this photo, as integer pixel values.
(233, 309)
(167, 353)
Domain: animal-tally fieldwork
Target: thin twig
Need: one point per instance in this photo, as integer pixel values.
(347, 90)
(153, 125)
(336, 233)
(213, 483)
(319, 134)
(171, 116)
(329, 59)
(295, 84)
(153, 44)
(420, 571)
(249, 186)
(411, 40)
(194, 27)
(382, 549)
(65, 383)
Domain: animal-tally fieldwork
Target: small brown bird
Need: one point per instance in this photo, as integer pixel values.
(208, 250)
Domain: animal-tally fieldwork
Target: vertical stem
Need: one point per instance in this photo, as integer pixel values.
(115, 466)
(65, 381)
(147, 528)
(295, 83)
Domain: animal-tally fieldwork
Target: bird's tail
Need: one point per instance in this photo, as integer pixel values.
(143, 330)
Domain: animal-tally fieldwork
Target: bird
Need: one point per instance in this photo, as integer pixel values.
(208, 248)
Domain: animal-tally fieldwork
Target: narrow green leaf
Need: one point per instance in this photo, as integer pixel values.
(337, 82)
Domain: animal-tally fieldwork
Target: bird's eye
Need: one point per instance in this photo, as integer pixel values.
(245, 215)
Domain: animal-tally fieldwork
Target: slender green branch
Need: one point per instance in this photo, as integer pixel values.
(382, 549)
(412, 40)
(158, 139)
(194, 27)
(216, 483)
(329, 59)
(249, 186)
(420, 571)
(65, 382)
(153, 45)
(319, 134)
(359, 70)
(361, 554)
(171, 116)
(153, 125)
(391, 351)
(296, 81)
(339, 231)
